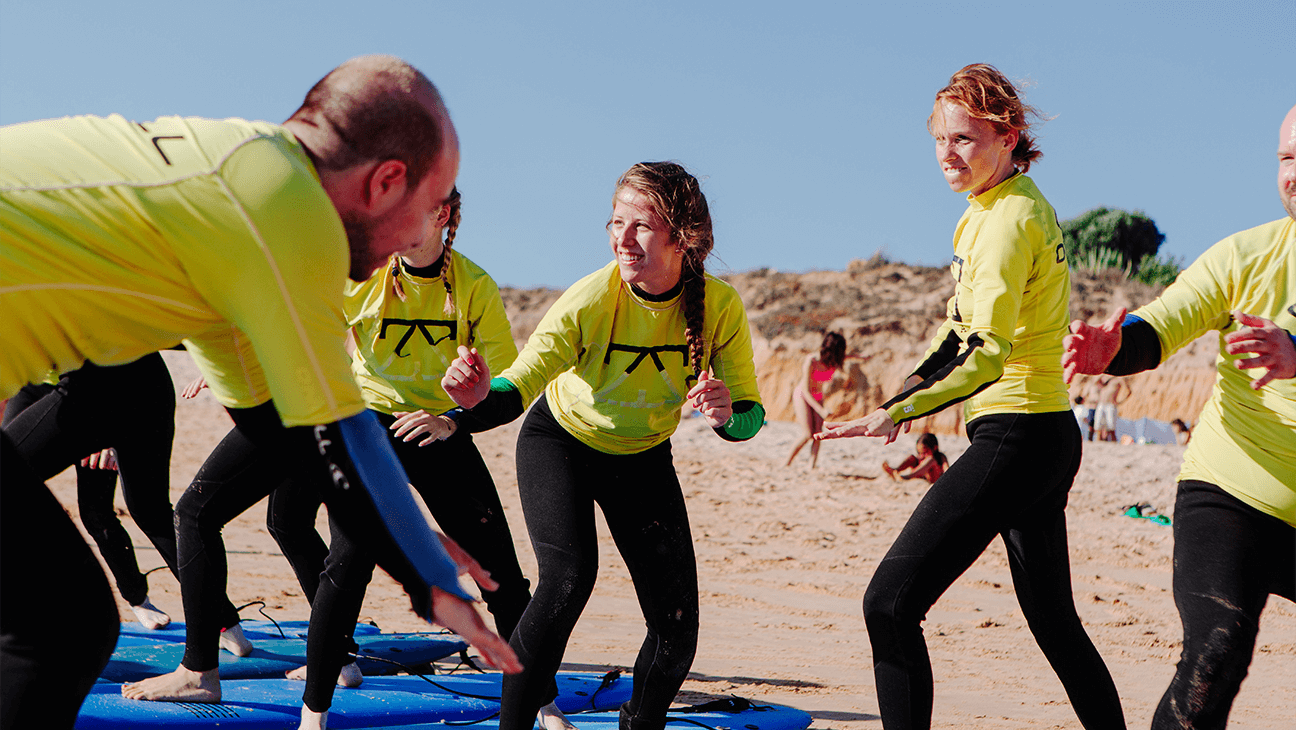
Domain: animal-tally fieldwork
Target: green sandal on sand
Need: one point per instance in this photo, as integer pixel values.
(1144, 511)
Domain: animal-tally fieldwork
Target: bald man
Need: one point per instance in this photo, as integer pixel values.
(120, 238)
(1235, 514)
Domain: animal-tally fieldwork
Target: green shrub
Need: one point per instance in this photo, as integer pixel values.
(1158, 271)
(1132, 237)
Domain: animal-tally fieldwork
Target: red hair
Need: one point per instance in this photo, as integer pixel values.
(987, 94)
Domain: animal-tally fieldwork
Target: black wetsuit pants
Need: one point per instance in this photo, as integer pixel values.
(255, 458)
(58, 618)
(457, 488)
(1012, 481)
(130, 408)
(560, 480)
(1228, 558)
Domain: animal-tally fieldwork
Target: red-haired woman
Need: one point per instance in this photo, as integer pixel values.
(611, 363)
(999, 352)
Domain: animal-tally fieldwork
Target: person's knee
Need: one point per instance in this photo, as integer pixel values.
(1217, 661)
(879, 607)
(565, 577)
(189, 508)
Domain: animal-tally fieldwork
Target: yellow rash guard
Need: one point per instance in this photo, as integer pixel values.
(1245, 440)
(403, 348)
(615, 366)
(119, 238)
(1000, 347)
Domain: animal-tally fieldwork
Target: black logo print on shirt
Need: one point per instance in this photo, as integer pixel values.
(421, 326)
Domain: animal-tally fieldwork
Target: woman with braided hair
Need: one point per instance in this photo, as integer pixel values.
(610, 366)
(407, 322)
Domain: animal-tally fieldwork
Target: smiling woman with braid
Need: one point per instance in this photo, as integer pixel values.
(612, 363)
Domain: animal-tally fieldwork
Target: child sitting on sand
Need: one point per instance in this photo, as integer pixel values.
(927, 461)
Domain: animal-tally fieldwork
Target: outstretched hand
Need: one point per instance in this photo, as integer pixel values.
(711, 398)
(462, 617)
(468, 565)
(467, 382)
(192, 389)
(1272, 346)
(878, 424)
(1088, 349)
(409, 425)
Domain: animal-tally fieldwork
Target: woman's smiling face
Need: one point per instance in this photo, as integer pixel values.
(972, 155)
(646, 254)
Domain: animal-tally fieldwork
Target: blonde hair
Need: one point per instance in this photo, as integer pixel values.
(987, 94)
(451, 228)
(677, 197)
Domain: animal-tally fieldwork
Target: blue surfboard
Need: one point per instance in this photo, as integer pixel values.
(132, 634)
(379, 654)
(756, 716)
(273, 704)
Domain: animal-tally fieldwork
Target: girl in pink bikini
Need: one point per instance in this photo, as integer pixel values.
(807, 398)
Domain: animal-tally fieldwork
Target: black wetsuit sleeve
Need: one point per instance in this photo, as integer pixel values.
(747, 419)
(501, 405)
(941, 356)
(1140, 348)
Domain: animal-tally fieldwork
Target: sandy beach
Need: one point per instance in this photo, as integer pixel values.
(784, 557)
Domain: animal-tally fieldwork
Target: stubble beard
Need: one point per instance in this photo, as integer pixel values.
(359, 246)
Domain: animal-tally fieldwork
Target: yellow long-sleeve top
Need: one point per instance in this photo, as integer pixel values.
(1000, 347)
(1245, 440)
(403, 348)
(615, 366)
(119, 238)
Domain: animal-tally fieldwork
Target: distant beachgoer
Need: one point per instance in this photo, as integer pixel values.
(927, 461)
(1109, 392)
(609, 368)
(998, 351)
(1083, 414)
(1182, 433)
(808, 396)
(1235, 513)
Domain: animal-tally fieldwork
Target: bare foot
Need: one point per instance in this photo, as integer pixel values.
(350, 676)
(312, 720)
(150, 616)
(233, 641)
(890, 471)
(182, 685)
(551, 718)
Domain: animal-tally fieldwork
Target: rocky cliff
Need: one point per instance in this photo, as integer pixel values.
(888, 312)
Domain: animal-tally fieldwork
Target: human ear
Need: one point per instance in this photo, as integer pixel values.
(385, 185)
(442, 216)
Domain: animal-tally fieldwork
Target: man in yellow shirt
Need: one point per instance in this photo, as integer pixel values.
(1235, 514)
(120, 238)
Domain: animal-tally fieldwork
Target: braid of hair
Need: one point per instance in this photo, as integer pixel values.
(694, 296)
(452, 226)
(397, 288)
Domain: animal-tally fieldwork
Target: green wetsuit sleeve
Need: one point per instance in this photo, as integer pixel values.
(500, 406)
(747, 419)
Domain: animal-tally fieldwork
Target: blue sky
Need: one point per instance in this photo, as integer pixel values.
(805, 121)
